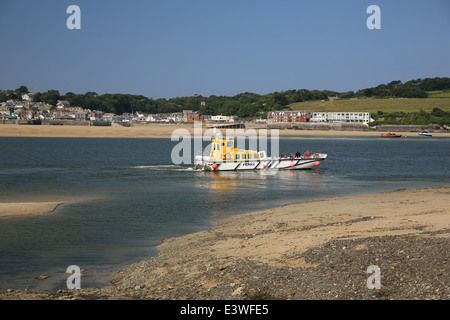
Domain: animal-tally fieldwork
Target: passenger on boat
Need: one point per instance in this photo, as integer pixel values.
(297, 154)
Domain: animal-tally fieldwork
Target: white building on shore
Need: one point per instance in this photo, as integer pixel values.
(221, 118)
(352, 117)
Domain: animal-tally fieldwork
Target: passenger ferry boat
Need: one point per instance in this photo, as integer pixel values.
(225, 157)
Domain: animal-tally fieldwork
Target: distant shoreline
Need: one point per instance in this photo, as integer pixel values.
(158, 131)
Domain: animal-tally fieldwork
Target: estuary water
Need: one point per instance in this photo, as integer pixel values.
(126, 196)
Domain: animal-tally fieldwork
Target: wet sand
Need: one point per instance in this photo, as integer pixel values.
(19, 209)
(156, 131)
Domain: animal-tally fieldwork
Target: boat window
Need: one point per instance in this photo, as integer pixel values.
(238, 157)
(230, 144)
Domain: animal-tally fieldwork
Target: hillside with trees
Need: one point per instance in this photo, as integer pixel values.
(435, 116)
(244, 105)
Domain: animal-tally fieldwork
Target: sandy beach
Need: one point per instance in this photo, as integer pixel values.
(19, 209)
(155, 131)
(318, 249)
(352, 232)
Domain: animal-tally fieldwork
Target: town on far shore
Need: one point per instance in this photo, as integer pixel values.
(26, 111)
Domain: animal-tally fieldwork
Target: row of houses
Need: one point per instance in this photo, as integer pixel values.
(174, 117)
(312, 116)
(187, 116)
(26, 109)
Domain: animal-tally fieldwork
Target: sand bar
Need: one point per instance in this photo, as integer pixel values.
(269, 236)
(255, 251)
(155, 131)
(17, 209)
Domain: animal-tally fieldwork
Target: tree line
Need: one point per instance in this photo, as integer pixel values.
(396, 89)
(244, 105)
(437, 116)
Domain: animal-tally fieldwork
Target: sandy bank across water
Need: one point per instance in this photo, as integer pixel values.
(155, 131)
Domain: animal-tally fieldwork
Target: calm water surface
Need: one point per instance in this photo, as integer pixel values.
(126, 196)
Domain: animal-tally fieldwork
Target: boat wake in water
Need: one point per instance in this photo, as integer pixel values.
(164, 167)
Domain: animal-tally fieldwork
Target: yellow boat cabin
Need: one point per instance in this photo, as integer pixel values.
(224, 150)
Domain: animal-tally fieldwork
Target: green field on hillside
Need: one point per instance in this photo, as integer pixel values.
(439, 94)
(374, 105)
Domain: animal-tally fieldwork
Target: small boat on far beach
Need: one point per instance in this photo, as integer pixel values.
(391, 135)
(425, 133)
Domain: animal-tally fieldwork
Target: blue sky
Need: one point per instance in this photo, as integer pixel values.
(171, 48)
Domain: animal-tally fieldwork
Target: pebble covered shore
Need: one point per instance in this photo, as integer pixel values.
(411, 268)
